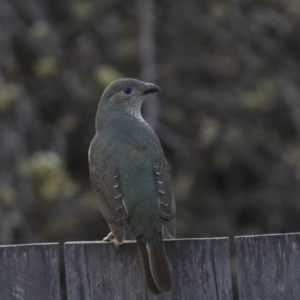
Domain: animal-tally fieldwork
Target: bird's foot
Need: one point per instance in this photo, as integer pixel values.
(111, 238)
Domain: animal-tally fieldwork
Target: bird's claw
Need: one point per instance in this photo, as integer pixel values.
(111, 238)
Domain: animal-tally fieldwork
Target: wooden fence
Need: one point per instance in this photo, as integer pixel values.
(268, 268)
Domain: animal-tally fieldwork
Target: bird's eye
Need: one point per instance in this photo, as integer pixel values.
(127, 90)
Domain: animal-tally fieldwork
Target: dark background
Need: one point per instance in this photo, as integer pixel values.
(228, 115)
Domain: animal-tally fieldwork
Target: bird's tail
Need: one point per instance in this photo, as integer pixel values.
(156, 267)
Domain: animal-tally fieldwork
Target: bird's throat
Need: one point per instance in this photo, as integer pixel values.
(132, 107)
(135, 111)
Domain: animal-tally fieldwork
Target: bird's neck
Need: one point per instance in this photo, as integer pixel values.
(130, 107)
(111, 113)
(135, 111)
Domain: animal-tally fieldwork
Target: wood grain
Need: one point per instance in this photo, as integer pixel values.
(97, 270)
(268, 267)
(29, 272)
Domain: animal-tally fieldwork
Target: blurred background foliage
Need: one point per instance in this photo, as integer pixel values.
(228, 115)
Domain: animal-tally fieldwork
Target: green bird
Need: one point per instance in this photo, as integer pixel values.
(131, 178)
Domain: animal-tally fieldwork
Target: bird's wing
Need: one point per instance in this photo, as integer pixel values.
(166, 201)
(107, 185)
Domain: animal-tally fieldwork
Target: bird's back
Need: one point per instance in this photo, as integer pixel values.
(131, 146)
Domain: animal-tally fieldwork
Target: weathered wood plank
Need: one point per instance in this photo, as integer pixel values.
(29, 272)
(269, 267)
(96, 270)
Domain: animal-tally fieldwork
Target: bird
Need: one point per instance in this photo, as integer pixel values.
(131, 178)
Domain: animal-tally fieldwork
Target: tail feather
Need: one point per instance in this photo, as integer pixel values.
(156, 267)
(159, 266)
(146, 268)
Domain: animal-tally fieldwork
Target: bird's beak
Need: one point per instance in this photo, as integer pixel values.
(151, 88)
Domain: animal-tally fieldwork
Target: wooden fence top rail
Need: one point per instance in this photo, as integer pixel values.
(268, 268)
(30, 245)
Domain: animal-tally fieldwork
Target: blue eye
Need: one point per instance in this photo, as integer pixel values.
(127, 90)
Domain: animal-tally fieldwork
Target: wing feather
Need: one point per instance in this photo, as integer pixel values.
(166, 201)
(107, 185)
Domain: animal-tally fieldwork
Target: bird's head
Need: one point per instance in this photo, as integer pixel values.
(127, 95)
